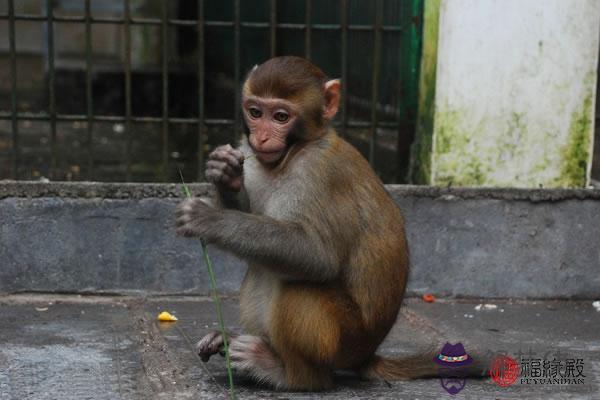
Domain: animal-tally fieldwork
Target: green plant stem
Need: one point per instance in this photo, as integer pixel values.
(213, 284)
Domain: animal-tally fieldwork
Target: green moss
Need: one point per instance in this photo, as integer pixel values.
(422, 148)
(576, 153)
(461, 157)
(456, 162)
(449, 135)
(511, 141)
(540, 167)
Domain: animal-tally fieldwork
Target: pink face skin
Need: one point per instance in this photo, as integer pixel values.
(269, 122)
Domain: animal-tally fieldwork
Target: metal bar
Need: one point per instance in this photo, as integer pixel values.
(180, 22)
(401, 107)
(128, 107)
(88, 89)
(236, 56)
(375, 79)
(409, 62)
(51, 94)
(344, 25)
(13, 90)
(368, 124)
(202, 132)
(28, 116)
(273, 28)
(165, 91)
(308, 31)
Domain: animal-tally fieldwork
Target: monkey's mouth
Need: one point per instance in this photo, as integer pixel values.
(268, 156)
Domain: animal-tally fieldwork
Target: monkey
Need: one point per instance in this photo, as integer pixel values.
(324, 241)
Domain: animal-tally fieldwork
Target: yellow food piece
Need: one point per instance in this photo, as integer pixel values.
(165, 316)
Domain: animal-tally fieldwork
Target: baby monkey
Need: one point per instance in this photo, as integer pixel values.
(324, 242)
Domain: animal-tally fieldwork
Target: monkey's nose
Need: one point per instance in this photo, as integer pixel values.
(262, 138)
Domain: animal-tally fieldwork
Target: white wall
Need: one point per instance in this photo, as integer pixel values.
(515, 92)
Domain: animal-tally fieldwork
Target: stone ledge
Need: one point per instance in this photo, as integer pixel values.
(88, 190)
(119, 238)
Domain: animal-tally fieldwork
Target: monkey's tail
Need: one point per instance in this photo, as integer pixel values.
(414, 367)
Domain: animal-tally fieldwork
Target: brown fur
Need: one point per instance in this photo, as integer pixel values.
(285, 78)
(328, 258)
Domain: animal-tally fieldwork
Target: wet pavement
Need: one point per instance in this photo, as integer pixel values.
(89, 347)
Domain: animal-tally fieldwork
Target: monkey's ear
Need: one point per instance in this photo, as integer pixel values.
(332, 98)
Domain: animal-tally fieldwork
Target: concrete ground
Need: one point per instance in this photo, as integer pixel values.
(74, 347)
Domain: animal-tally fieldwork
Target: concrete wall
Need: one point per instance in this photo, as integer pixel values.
(514, 89)
(464, 242)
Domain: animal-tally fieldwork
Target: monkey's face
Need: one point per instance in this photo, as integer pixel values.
(269, 121)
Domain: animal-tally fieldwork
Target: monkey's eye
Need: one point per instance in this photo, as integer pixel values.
(281, 116)
(255, 112)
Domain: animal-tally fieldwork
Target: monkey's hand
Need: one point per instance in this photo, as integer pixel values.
(212, 344)
(196, 218)
(225, 167)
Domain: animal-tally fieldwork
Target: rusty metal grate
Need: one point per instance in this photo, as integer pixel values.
(377, 28)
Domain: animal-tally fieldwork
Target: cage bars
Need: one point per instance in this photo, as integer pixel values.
(164, 23)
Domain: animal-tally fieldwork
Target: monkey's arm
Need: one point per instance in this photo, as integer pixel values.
(290, 248)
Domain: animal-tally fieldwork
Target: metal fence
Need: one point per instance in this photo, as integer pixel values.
(372, 125)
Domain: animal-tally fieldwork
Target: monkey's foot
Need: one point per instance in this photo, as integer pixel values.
(211, 344)
(253, 356)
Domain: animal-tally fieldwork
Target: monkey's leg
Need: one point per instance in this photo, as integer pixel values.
(316, 330)
(254, 356)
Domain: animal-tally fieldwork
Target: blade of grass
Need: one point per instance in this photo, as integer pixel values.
(213, 284)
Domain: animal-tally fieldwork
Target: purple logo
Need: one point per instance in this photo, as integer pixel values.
(450, 360)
